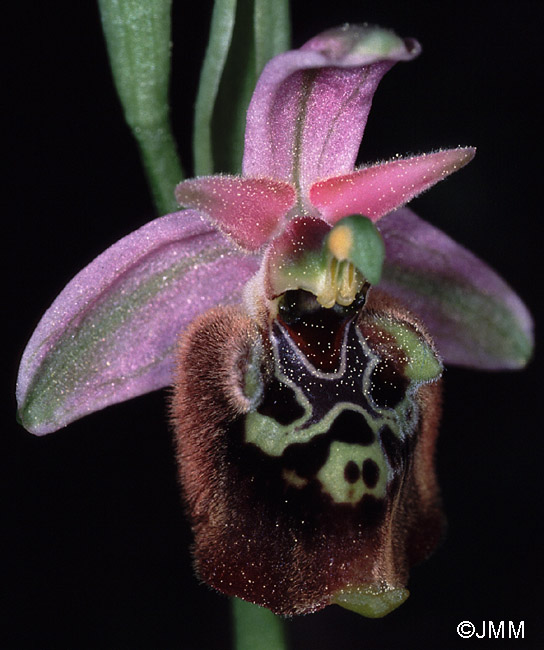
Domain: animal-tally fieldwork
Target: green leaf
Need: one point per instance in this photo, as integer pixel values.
(138, 37)
(272, 30)
(221, 29)
(244, 35)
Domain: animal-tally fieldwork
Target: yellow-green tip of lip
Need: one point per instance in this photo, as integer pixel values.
(372, 601)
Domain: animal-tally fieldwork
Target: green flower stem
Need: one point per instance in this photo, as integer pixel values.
(257, 627)
(138, 38)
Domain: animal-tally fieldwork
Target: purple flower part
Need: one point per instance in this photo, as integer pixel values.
(379, 189)
(309, 110)
(111, 334)
(474, 317)
(248, 209)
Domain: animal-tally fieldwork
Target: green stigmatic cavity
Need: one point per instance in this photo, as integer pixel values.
(335, 265)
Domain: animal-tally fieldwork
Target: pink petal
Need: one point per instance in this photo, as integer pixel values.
(377, 190)
(474, 317)
(247, 209)
(309, 110)
(111, 333)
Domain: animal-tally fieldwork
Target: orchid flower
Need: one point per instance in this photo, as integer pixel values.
(303, 316)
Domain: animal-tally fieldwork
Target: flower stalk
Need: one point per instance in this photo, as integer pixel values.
(257, 627)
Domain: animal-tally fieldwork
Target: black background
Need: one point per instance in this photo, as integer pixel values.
(97, 545)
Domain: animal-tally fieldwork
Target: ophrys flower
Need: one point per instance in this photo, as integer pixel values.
(307, 402)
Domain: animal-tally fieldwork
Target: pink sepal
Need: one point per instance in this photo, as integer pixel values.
(377, 190)
(247, 209)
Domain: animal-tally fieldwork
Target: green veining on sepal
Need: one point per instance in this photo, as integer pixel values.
(372, 601)
(81, 355)
(483, 324)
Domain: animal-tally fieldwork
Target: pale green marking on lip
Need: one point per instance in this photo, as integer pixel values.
(332, 474)
(273, 438)
(422, 363)
(253, 382)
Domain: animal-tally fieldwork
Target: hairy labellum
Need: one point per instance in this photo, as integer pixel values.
(305, 447)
